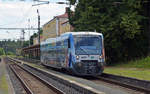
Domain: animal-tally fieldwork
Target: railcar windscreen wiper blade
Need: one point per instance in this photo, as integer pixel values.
(84, 50)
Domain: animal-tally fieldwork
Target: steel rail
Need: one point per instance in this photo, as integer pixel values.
(125, 82)
(70, 84)
(28, 90)
(58, 91)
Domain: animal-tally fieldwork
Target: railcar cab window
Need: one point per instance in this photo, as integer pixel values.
(88, 45)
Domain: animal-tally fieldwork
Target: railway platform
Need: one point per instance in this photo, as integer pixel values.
(5, 83)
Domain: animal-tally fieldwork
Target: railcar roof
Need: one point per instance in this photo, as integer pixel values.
(81, 33)
(67, 35)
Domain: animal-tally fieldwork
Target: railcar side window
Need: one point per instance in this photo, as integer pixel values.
(58, 43)
(68, 43)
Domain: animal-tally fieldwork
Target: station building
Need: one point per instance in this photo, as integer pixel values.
(56, 26)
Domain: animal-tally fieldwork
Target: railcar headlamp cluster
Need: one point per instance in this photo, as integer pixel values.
(100, 56)
(77, 57)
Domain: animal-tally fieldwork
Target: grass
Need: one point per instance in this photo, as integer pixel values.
(139, 69)
(14, 56)
(143, 74)
(139, 63)
(3, 80)
(3, 85)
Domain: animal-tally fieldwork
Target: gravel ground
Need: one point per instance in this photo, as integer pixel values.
(36, 86)
(15, 82)
(61, 86)
(102, 88)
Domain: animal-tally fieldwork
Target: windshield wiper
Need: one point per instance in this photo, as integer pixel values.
(84, 50)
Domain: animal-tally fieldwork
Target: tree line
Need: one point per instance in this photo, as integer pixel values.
(124, 24)
(8, 47)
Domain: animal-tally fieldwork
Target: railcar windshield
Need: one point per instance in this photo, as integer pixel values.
(88, 45)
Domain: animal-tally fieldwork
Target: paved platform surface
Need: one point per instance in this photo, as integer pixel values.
(5, 83)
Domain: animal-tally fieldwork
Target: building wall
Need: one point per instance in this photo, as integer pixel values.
(55, 28)
(18, 51)
(65, 27)
(35, 40)
(49, 30)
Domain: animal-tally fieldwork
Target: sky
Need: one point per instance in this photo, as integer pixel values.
(21, 14)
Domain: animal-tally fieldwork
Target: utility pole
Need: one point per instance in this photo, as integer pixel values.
(42, 2)
(4, 47)
(22, 38)
(38, 26)
(29, 30)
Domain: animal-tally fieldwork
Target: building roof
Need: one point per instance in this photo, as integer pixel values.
(63, 15)
(59, 16)
(64, 22)
(31, 47)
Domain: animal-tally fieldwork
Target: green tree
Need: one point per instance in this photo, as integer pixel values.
(2, 52)
(26, 44)
(35, 35)
(120, 21)
(10, 53)
(10, 45)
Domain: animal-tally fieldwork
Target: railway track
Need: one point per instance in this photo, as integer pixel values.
(127, 82)
(63, 84)
(32, 83)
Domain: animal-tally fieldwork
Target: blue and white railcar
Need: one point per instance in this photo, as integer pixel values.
(79, 52)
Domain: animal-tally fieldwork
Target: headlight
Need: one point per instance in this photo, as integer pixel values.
(100, 56)
(77, 57)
